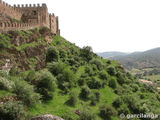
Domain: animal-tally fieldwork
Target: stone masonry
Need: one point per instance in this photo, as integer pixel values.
(24, 17)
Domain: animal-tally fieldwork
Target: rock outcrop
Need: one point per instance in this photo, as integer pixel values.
(47, 117)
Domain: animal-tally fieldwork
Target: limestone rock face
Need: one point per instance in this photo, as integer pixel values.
(47, 117)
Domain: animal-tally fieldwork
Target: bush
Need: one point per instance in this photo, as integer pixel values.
(46, 84)
(94, 83)
(87, 115)
(106, 112)
(31, 76)
(12, 110)
(25, 93)
(123, 109)
(117, 102)
(113, 83)
(103, 75)
(52, 55)
(66, 80)
(98, 63)
(4, 41)
(87, 53)
(111, 70)
(120, 78)
(73, 98)
(56, 67)
(6, 84)
(85, 93)
(95, 97)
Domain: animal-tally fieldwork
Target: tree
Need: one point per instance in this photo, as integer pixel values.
(87, 53)
(85, 92)
(73, 98)
(52, 54)
(106, 112)
(26, 93)
(46, 85)
(113, 83)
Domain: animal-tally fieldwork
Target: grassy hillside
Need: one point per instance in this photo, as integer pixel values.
(62, 79)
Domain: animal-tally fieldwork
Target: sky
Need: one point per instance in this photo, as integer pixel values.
(107, 25)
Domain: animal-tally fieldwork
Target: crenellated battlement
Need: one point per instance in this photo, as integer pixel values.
(29, 16)
(29, 5)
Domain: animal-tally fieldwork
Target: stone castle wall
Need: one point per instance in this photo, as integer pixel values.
(30, 16)
(9, 10)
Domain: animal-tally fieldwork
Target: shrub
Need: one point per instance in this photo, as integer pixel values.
(66, 80)
(85, 93)
(12, 110)
(4, 41)
(94, 83)
(98, 63)
(106, 112)
(31, 76)
(117, 102)
(103, 75)
(56, 67)
(14, 71)
(113, 83)
(87, 115)
(123, 109)
(52, 55)
(87, 53)
(95, 97)
(25, 93)
(73, 98)
(120, 78)
(111, 70)
(6, 84)
(46, 84)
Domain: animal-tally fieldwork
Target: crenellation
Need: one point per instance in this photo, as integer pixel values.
(31, 16)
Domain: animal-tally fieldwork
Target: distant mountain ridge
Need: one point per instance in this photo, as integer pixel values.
(140, 60)
(108, 55)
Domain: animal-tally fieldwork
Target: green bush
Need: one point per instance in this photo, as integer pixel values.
(52, 55)
(117, 102)
(46, 85)
(56, 67)
(73, 98)
(111, 70)
(113, 83)
(85, 93)
(103, 75)
(6, 84)
(12, 110)
(98, 63)
(30, 76)
(120, 78)
(66, 80)
(4, 41)
(87, 53)
(94, 83)
(123, 109)
(106, 112)
(87, 115)
(95, 97)
(25, 93)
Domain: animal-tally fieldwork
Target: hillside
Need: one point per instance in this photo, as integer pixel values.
(140, 60)
(42, 73)
(108, 55)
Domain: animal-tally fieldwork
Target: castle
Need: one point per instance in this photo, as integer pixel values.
(24, 17)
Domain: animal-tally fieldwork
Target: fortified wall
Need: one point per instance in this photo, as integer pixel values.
(24, 17)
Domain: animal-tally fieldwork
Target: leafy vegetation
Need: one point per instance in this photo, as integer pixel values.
(73, 83)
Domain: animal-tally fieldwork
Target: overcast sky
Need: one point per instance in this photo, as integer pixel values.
(107, 25)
